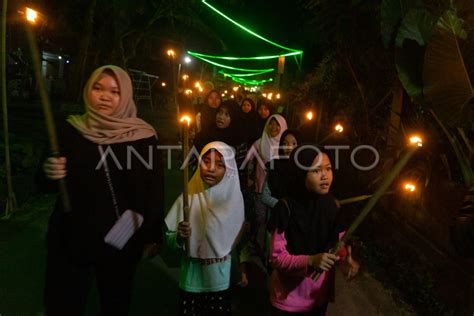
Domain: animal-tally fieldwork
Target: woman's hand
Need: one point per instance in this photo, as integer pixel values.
(349, 266)
(323, 261)
(55, 168)
(184, 230)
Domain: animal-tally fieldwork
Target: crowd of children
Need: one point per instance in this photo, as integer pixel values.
(258, 195)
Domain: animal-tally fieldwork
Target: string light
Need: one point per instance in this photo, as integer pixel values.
(250, 31)
(225, 74)
(197, 55)
(234, 68)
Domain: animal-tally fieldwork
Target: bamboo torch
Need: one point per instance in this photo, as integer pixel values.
(415, 142)
(31, 16)
(186, 120)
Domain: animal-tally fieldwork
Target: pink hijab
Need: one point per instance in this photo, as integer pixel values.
(123, 125)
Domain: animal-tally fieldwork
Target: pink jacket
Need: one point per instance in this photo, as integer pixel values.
(292, 288)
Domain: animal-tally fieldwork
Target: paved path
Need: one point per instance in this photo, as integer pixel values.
(22, 260)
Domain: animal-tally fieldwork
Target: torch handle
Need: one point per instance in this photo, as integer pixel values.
(48, 113)
(374, 199)
(185, 178)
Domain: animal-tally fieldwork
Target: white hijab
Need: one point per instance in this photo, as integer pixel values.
(267, 145)
(216, 213)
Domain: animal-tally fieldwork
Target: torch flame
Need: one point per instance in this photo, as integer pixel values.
(31, 15)
(410, 187)
(309, 115)
(339, 128)
(416, 140)
(185, 118)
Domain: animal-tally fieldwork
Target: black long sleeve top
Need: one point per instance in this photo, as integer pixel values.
(136, 174)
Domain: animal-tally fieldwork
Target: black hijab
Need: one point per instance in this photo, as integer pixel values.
(229, 135)
(208, 114)
(310, 220)
(278, 169)
(250, 121)
(262, 121)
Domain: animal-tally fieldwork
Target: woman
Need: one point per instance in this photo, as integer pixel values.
(104, 161)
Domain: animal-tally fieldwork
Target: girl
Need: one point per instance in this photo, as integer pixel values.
(225, 127)
(276, 182)
(207, 114)
(249, 120)
(303, 229)
(100, 190)
(216, 218)
(264, 110)
(262, 151)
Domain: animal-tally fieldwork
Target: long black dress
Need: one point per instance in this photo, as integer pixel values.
(74, 240)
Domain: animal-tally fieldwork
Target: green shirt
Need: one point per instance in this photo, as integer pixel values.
(197, 277)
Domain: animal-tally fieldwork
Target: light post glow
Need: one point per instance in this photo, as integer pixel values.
(185, 77)
(188, 91)
(187, 59)
(170, 53)
(309, 116)
(278, 96)
(163, 84)
(338, 128)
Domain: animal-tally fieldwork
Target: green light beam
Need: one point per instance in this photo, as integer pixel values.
(234, 68)
(222, 72)
(244, 58)
(250, 31)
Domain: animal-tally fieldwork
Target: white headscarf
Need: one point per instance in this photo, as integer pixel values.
(216, 213)
(267, 145)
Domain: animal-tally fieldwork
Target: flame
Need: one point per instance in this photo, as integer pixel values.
(309, 115)
(185, 118)
(416, 140)
(410, 187)
(339, 128)
(31, 15)
(170, 53)
(188, 91)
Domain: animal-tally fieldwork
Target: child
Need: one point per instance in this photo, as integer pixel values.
(303, 228)
(263, 150)
(215, 221)
(276, 183)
